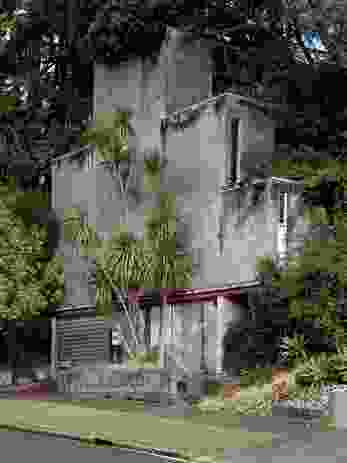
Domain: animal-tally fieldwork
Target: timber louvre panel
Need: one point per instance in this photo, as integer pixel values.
(82, 340)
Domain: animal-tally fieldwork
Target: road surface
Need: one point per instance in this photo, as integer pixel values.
(20, 447)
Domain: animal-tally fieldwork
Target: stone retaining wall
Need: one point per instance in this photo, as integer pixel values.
(109, 378)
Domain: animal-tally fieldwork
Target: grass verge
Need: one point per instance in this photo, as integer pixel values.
(129, 429)
(228, 417)
(255, 400)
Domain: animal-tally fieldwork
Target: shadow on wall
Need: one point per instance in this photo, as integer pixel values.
(247, 346)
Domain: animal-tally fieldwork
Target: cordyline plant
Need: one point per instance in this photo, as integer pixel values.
(125, 262)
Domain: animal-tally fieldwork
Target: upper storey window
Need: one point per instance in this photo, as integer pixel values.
(233, 152)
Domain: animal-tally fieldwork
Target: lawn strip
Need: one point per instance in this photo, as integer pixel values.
(191, 440)
(221, 418)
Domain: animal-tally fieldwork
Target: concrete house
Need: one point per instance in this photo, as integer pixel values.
(212, 142)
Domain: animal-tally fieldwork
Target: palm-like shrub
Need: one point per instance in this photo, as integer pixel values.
(292, 350)
(323, 369)
(312, 371)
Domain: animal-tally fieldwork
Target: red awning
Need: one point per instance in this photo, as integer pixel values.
(191, 296)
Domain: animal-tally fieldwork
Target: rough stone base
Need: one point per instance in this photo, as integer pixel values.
(109, 379)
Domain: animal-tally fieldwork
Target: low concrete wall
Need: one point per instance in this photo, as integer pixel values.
(122, 382)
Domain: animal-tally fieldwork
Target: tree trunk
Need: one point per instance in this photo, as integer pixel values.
(12, 350)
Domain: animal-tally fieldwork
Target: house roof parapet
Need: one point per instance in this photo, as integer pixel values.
(284, 181)
(240, 99)
(71, 154)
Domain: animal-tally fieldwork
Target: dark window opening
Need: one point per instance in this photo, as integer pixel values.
(233, 171)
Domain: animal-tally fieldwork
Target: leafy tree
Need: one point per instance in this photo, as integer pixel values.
(314, 282)
(31, 280)
(35, 57)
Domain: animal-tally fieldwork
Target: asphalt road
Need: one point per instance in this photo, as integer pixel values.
(19, 447)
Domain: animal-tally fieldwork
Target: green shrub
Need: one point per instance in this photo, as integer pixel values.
(323, 369)
(296, 391)
(336, 369)
(312, 371)
(152, 356)
(256, 400)
(214, 389)
(255, 376)
(296, 352)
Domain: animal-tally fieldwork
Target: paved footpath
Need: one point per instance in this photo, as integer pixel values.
(314, 447)
(292, 438)
(19, 447)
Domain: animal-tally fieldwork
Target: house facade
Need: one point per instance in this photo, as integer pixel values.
(212, 143)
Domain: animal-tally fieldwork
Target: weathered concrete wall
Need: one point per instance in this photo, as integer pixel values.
(188, 70)
(180, 77)
(197, 154)
(197, 172)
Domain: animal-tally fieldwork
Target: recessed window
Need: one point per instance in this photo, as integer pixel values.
(233, 164)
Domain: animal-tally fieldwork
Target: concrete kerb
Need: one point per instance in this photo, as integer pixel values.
(94, 439)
